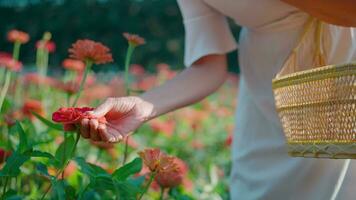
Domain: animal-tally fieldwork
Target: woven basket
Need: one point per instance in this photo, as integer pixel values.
(317, 107)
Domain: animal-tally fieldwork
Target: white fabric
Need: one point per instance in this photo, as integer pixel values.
(262, 168)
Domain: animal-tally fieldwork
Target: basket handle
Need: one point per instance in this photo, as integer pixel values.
(319, 56)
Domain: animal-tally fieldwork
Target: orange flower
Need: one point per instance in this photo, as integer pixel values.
(88, 50)
(133, 39)
(30, 106)
(18, 36)
(173, 176)
(169, 178)
(156, 160)
(75, 65)
(8, 62)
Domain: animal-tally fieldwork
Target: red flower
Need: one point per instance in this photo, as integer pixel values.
(156, 160)
(133, 39)
(4, 154)
(30, 106)
(70, 115)
(10, 63)
(89, 50)
(75, 65)
(228, 140)
(18, 36)
(50, 46)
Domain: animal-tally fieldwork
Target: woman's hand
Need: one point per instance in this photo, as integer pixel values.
(123, 116)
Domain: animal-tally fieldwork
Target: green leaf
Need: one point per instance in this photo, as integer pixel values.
(49, 123)
(63, 153)
(6, 105)
(11, 195)
(127, 190)
(13, 164)
(90, 169)
(58, 189)
(41, 154)
(177, 194)
(23, 144)
(127, 170)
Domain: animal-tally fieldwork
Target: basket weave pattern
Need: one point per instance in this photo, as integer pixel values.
(319, 105)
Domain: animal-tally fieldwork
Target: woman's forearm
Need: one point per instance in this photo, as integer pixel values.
(190, 86)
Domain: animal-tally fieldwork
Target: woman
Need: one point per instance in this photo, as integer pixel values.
(261, 167)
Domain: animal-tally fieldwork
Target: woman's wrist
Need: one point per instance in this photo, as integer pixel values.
(147, 108)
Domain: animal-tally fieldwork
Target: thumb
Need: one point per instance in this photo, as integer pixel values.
(102, 109)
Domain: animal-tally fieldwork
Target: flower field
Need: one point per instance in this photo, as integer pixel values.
(181, 155)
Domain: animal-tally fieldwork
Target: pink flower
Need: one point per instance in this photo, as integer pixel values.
(137, 70)
(72, 64)
(18, 36)
(50, 46)
(9, 63)
(156, 160)
(133, 39)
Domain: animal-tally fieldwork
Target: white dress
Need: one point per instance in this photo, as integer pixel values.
(262, 168)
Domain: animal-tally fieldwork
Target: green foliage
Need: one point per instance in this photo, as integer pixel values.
(125, 171)
(49, 123)
(158, 21)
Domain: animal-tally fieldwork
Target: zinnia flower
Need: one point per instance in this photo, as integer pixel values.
(88, 50)
(75, 65)
(70, 115)
(156, 160)
(133, 39)
(31, 105)
(50, 46)
(173, 176)
(8, 62)
(169, 178)
(18, 36)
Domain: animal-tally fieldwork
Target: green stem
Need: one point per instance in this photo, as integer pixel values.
(87, 69)
(62, 169)
(5, 186)
(16, 51)
(161, 194)
(5, 88)
(130, 50)
(64, 150)
(129, 53)
(153, 174)
(126, 150)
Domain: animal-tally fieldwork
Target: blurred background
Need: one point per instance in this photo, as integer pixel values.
(159, 22)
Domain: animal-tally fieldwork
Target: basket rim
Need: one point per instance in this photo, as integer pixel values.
(322, 142)
(320, 73)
